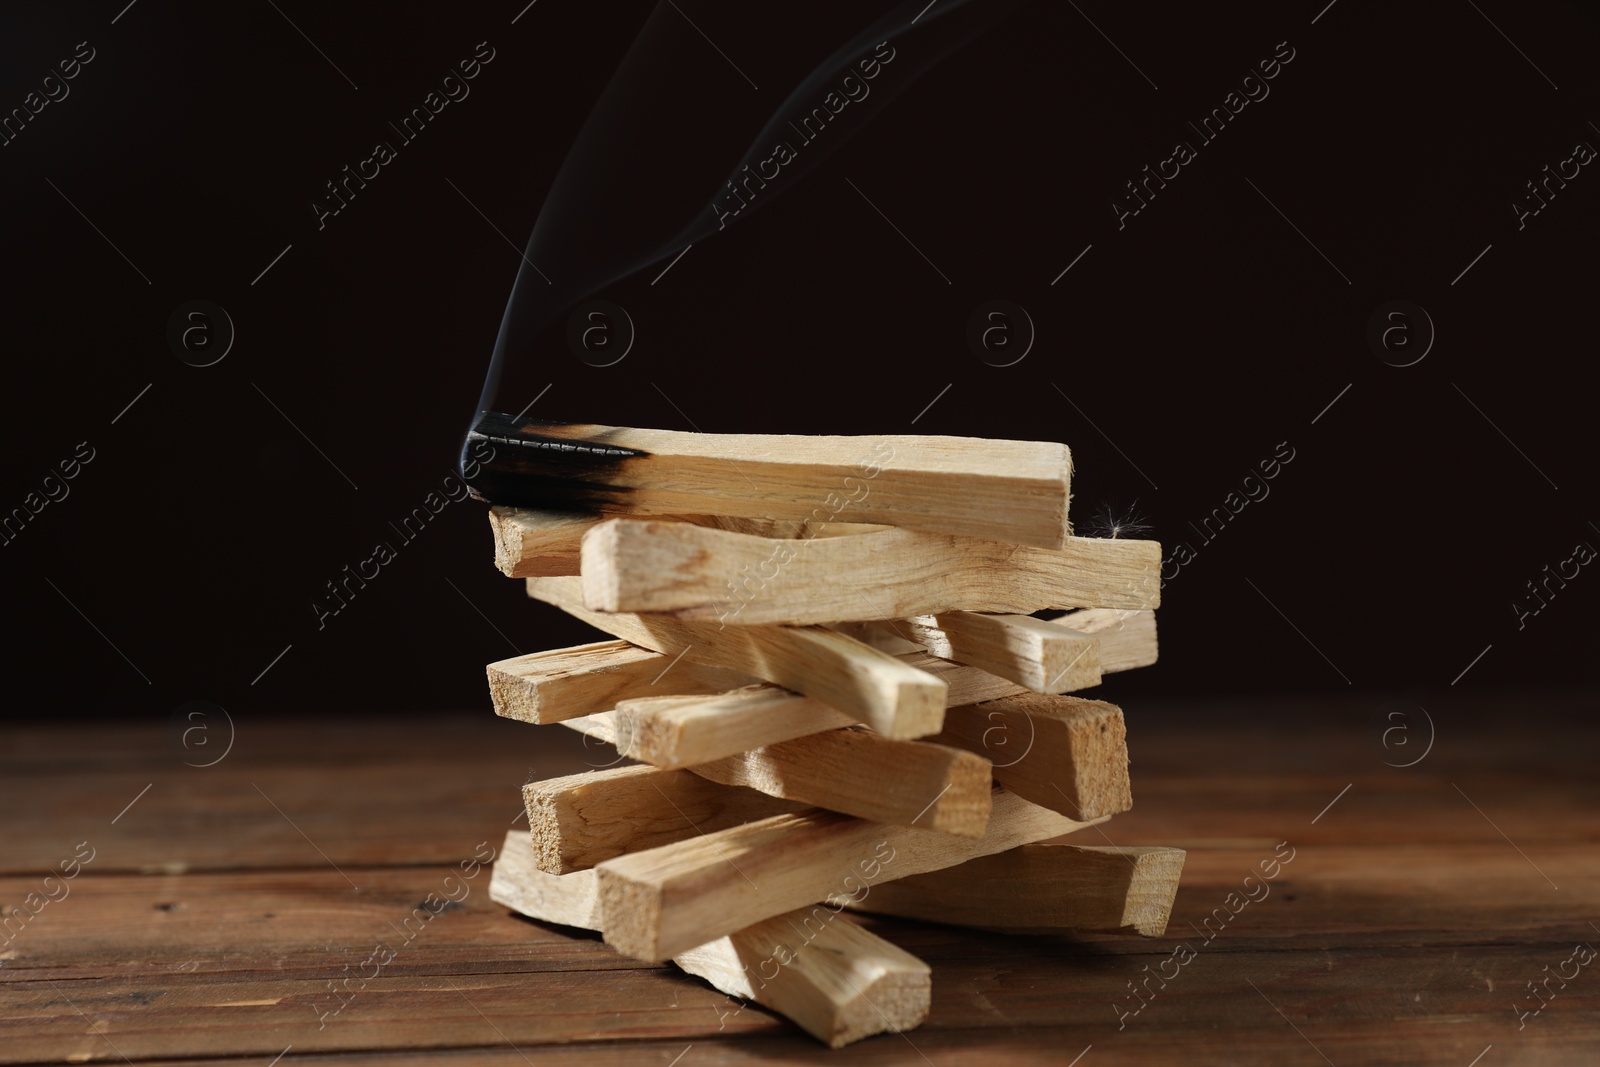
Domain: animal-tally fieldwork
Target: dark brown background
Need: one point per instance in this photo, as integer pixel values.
(1196, 339)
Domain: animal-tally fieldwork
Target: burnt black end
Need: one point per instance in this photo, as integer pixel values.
(530, 463)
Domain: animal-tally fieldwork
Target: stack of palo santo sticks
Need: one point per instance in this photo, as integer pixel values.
(828, 667)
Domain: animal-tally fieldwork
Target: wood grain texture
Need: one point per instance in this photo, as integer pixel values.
(680, 731)
(1044, 889)
(564, 683)
(853, 772)
(661, 901)
(887, 694)
(571, 899)
(835, 980)
(581, 820)
(737, 579)
(1127, 639)
(976, 487)
(1064, 752)
(531, 543)
(535, 543)
(1039, 656)
(856, 772)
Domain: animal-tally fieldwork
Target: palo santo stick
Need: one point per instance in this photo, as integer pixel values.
(1039, 656)
(887, 694)
(691, 572)
(1017, 490)
(583, 819)
(681, 731)
(1044, 889)
(518, 883)
(534, 543)
(1065, 753)
(1127, 638)
(662, 901)
(835, 980)
(854, 772)
(564, 683)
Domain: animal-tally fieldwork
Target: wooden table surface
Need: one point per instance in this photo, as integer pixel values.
(223, 903)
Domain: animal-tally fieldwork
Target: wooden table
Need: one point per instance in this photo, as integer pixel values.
(223, 904)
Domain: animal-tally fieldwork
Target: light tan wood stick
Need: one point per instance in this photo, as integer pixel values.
(532, 543)
(1037, 655)
(564, 683)
(886, 693)
(662, 901)
(680, 731)
(1127, 638)
(1043, 889)
(529, 543)
(855, 772)
(518, 883)
(981, 488)
(1065, 753)
(695, 573)
(835, 980)
(583, 819)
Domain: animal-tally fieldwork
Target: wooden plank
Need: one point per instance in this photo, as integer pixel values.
(1044, 889)
(1039, 656)
(854, 772)
(1127, 638)
(835, 980)
(699, 574)
(1065, 753)
(583, 819)
(661, 901)
(977, 487)
(564, 683)
(887, 694)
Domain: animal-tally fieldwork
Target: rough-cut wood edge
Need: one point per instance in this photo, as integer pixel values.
(699, 574)
(661, 901)
(1037, 655)
(833, 979)
(1044, 889)
(531, 544)
(563, 683)
(883, 691)
(580, 820)
(1063, 752)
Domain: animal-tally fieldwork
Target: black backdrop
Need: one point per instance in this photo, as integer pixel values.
(1180, 349)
